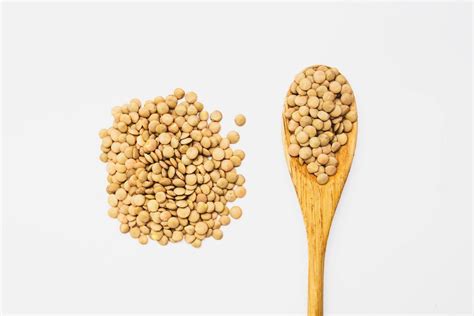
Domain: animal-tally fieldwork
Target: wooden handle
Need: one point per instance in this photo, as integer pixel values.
(318, 204)
(316, 253)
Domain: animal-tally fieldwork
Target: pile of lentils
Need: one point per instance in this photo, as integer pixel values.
(170, 172)
(320, 112)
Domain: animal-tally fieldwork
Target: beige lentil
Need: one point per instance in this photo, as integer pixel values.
(240, 192)
(233, 137)
(225, 220)
(322, 178)
(240, 120)
(216, 116)
(235, 212)
(201, 228)
(217, 234)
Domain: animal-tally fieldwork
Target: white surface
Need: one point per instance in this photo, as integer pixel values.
(401, 239)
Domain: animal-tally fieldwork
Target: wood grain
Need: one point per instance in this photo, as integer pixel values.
(318, 204)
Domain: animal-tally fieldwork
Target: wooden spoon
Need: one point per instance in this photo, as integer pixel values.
(318, 204)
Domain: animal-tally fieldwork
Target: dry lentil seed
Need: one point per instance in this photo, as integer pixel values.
(201, 228)
(218, 154)
(225, 220)
(240, 192)
(177, 236)
(143, 239)
(305, 84)
(227, 165)
(330, 170)
(192, 153)
(124, 228)
(323, 159)
(120, 194)
(235, 212)
(305, 153)
(113, 212)
(347, 98)
(173, 222)
(190, 97)
(196, 243)
(240, 120)
(216, 116)
(233, 137)
(217, 234)
(135, 232)
(178, 93)
(335, 87)
(322, 178)
(312, 167)
(302, 137)
(319, 76)
(184, 212)
(138, 200)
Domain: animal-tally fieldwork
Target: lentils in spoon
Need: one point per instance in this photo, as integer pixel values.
(320, 112)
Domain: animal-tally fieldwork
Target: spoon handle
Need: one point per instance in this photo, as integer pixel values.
(316, 252)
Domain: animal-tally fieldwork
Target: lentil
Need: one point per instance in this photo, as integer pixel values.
(235, 212)
(233, 137)
(240, 120)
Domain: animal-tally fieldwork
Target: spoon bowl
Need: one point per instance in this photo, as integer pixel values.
(318, 204)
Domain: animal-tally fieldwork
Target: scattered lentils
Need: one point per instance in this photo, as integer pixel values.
(170, 172)
(320, 112)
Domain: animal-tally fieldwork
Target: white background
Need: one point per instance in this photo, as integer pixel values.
(401, 238)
